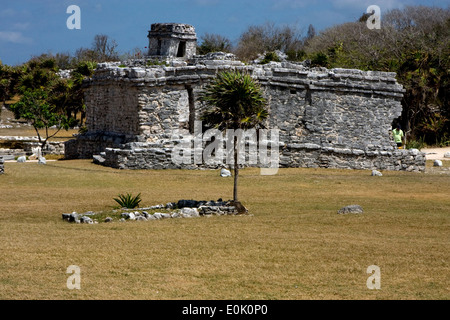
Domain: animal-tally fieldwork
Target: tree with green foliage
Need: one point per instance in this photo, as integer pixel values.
(235, 101)
(47, 100)
(9, 77)
(413, 42)
(34, 107)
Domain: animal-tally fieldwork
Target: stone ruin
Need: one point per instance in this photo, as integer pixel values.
(171, 210)
(172, 40)
(328, 118)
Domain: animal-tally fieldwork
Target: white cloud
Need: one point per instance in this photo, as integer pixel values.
(14, 37)
(7, 12)
(20, 26)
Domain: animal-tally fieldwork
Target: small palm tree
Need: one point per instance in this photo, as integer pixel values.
(235, 102)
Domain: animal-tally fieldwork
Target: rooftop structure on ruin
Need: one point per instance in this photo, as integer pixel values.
(175, 40)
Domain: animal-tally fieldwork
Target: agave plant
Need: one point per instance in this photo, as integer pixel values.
(128, 201)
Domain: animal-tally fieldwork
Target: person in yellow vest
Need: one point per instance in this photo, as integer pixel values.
(398, 136)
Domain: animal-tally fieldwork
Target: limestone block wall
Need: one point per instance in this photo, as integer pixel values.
(172, 40)
(117, 109)
(161, 111)
(336, 118)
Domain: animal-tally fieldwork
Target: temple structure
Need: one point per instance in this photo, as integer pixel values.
(330, 118)
(172, 40)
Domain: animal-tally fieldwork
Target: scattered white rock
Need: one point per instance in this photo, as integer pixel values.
(190, 212)
(157, 215)
(86, 220)
(129, 216)
(351, 209)
(176, 214)
(376, 173)
(225, 173)
(22, 159)
(437, 163)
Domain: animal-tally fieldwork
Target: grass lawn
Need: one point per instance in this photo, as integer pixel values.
(292, 245)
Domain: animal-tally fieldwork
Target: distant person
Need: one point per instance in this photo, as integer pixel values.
(398, 136)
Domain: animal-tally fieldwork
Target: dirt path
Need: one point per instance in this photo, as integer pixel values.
(436, 153)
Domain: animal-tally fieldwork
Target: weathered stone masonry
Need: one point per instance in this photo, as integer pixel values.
(335, 118)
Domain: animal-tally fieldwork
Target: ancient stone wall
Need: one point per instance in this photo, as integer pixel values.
(335, 118)
(172, 40)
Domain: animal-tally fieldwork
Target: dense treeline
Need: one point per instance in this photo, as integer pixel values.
(43, 97)
(413, 42)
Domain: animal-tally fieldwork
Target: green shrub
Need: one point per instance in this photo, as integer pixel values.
(128, 201)
(416, 144)
(296, 55)
(270, 56)
(320, 60)
(156, 63)
(82, 129)
(444, 141)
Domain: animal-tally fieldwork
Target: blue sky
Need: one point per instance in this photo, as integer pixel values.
(32, 27)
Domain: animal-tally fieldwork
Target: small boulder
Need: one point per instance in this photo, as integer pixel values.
(157, 216)
(176, 214)
(42, 160)
(108, 219)
(187, 204)
(225, 173)
(86, 220)
(437, 163)
(351, 209)
(376, 173)
(447, 155)
(97, 159)
(22, 159)
(190, 212)
(71, 217)
(128, 216)
(170, 205)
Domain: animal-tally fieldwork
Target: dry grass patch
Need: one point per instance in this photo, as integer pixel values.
(293, 246)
